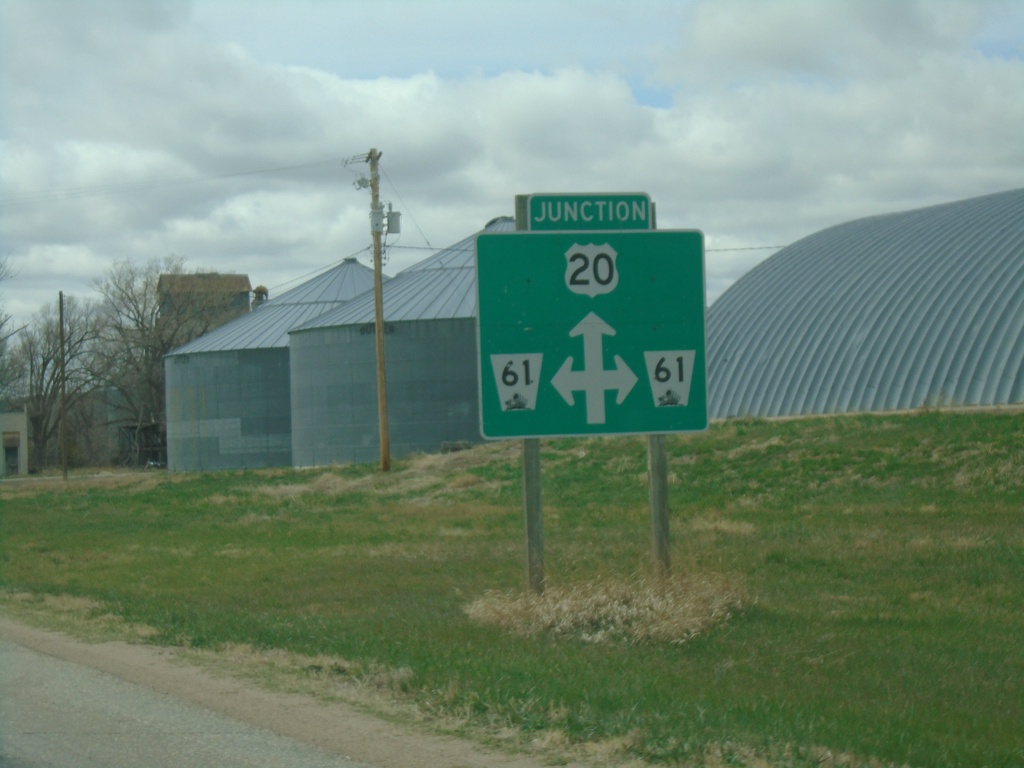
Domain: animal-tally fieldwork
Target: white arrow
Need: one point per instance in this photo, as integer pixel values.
(594, 380)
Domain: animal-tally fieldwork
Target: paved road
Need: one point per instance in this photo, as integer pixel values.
(57, 714)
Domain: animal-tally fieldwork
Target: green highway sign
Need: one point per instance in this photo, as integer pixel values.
(572, 211)
(591, 333)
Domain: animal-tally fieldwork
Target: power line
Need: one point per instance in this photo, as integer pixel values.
(319, 270)
(70, 193)
(749, 248)
(406, 207)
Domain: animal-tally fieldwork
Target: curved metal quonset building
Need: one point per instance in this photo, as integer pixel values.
(228, 392)
(912, 309)
(430, 358)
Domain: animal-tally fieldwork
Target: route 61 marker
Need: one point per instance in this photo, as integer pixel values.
(518, 379)
(670, 374)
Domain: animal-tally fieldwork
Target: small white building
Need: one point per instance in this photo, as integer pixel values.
(14, 429)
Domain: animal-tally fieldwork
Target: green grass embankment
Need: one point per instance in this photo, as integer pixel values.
(867, 585)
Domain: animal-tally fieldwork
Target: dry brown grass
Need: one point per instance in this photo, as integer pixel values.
(471, 458)
(424, 479)
(671, 610)
(132, 480)
(226, 500)
(83, 617)
(754, 447)
(278, 664)
(722, 525)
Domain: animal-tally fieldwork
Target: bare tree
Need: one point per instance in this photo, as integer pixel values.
(38, 359)
(149, 310)
(9, 372)
(8, 369)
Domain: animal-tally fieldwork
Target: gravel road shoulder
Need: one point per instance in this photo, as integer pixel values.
(335, 727)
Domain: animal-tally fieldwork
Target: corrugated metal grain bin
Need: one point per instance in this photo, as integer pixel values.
(229, 392)
(430, 359)
(905, 310)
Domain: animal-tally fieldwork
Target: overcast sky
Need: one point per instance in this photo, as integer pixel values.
(220, 130)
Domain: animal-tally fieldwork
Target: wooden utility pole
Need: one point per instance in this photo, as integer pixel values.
(377, 230)
(63, 394)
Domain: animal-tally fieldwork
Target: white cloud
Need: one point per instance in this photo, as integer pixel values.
(218, 130)
(745, 41)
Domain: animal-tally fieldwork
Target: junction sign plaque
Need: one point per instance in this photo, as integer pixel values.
(591, 333)
(572, 211)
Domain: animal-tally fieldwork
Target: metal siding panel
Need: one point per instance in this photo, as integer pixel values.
(432, 392)
(999, 321)
(957, 309)
(835, 285)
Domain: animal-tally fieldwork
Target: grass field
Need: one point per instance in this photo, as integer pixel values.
(857, 587)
